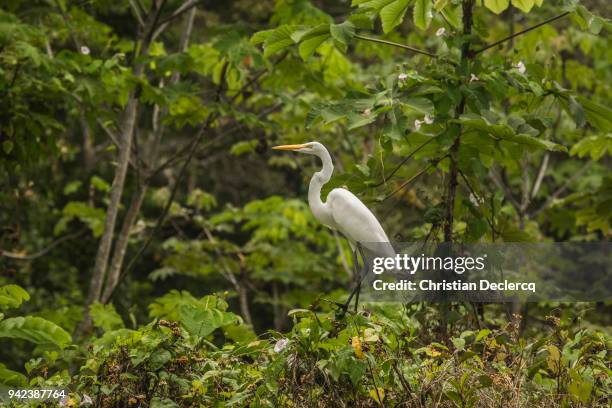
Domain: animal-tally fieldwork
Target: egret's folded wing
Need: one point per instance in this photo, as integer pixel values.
(357, 222)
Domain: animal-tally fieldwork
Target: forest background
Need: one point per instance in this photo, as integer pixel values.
(154, 250)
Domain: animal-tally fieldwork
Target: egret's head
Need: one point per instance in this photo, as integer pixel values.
(309, 148)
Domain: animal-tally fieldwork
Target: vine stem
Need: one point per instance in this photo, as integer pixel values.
(433, 163)
(387, 42)
(404, 161)
(510, 37)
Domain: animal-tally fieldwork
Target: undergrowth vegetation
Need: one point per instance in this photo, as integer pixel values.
(196, 353)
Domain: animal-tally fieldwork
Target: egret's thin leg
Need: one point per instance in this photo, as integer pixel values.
(360, 277)
(355, 267)
(356, 279)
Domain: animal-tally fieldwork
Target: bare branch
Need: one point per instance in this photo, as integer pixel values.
(404, 161)
(163, 23)
(562, 188)
(405, 184)
(180, 10)
(116, 142)
(538, 181)
(136, 11)
(406, 47)
(510, 37)
(38, 254)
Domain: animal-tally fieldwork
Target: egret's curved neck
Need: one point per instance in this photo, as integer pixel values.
(318, 207)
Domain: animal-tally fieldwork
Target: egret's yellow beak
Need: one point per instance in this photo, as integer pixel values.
(289, 147)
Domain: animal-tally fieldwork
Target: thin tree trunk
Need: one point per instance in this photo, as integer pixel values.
(101, 263)
(467, 6)
(137, 198)
(122, 241)
(244, 305)
(454, 151)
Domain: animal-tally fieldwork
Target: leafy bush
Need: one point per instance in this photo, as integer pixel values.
(195, 353)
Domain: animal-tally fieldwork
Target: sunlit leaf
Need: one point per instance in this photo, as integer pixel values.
(497, 6)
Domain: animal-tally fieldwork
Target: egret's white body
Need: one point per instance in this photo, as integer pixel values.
(342, 210)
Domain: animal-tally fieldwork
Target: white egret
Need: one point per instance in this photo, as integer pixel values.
(343, 211)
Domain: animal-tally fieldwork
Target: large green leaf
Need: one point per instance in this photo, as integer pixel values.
(11, 378)
(474, 121)
(421, 105)
(342, 33)
(261, 36)
(105, 317)
(12, 296)
(523, 5)
(278, 40)
(528, 140)
(453, 14)
(169, 305)
(598, 115)
(497, 6)
(595, 146)
(392, 14)
(373, 4)
(35, 330)
(505, 132)
(311, 40)
(202, 322)
(422, 13)
(356, 120)
(577, 106)
(440, 4)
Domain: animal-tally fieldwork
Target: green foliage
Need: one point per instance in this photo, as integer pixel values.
(422, 13)
(202, 322)
(392, 14)
(594, 146)
(29, 328)
(12, 296)
(497, 6)
(523, 126)
(105, 317)
(384, 356)
(35, 330)
(92, 217)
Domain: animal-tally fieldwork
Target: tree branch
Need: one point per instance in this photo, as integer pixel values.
(510, 37)
(163, 23)
(564, 187)
(406, 47)
(538, 181)
(38, 254)
(404, 161)
(180, 10)
(136, 11)
(116, 142)
(433, 163)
